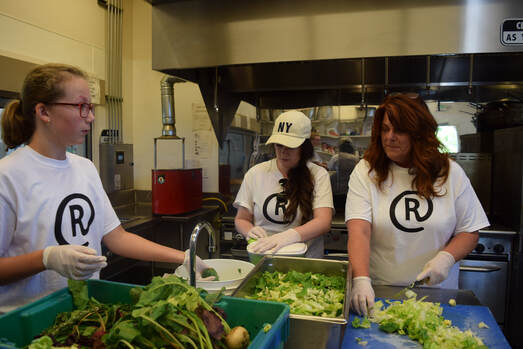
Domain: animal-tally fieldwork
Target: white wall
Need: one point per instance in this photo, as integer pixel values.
(73, 32)
(64, 31)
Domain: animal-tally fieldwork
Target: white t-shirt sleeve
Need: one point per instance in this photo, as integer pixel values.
(358, 204)
(470, 215)
(322, 189)
(244, 198)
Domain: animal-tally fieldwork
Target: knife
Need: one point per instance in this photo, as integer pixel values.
(415, 283)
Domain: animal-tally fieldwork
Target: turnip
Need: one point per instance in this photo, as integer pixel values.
(238, 338)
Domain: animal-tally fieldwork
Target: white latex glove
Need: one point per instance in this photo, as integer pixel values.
(274, 242)
(437, 269)
(200, 266)
(362, 295)
(73, 261)
(256, 232)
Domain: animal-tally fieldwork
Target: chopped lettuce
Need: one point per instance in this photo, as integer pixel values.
(306, 293)
(358, 323)
(423, 322)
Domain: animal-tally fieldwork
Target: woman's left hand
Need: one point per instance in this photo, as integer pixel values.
(274, 242)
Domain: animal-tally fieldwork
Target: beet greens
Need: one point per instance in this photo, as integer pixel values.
(167, 313)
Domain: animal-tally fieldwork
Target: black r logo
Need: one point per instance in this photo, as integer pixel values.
(411, 206)
(279, 206)
(76, 213)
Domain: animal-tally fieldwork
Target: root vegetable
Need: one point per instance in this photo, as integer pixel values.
(238, 338)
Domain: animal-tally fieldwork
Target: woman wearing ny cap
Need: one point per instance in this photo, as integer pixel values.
(287, 199)
(411, 212)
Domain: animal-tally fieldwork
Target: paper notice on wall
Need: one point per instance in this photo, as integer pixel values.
(201, 144)
(94, 89)
(200, 118)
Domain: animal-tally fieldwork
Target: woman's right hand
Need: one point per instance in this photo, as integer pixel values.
(200, 267)
(362, 298)
(73, 261)
(256, 232)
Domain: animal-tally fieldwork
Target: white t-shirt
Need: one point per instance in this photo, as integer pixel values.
(258, 194)
(407, 230)
(46, 202)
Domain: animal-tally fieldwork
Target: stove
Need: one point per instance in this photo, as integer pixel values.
(486, 271)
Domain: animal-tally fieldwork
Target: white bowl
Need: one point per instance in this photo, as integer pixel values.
(230, 271)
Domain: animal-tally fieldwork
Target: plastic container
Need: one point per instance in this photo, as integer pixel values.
(230, 271)
(18, 328)
(293, 250)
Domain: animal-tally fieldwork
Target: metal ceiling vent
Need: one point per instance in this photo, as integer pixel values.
(304, 53)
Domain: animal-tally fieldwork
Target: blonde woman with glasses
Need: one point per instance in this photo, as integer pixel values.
(54, 213)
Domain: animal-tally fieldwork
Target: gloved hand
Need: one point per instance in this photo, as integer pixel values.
(73, 261)
(274, 242)
(437, 269)
(200, 267)
(256, 232)
(362, 295)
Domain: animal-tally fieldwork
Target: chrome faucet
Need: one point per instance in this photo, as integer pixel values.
(192, 247)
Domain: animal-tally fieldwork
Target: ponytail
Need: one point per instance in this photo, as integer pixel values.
(16, 129)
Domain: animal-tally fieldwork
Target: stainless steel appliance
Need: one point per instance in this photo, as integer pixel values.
(280, 55)
(478, 167)
(232, 244)
(486, 271)
(116, 166)
(507, 176)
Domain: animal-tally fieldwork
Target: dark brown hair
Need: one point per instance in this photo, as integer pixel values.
(300, 186)
(44, 84)
(410, 116)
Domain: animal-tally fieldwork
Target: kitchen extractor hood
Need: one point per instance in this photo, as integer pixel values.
(303, 53)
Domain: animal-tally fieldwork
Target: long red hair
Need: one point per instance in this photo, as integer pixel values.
(410, 114)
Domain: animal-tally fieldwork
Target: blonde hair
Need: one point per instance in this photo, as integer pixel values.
(44, 84)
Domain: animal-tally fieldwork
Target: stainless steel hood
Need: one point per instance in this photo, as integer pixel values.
(302, 53)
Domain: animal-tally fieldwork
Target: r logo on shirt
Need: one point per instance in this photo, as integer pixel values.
(279, 209)
(412, 207)
(74, 208)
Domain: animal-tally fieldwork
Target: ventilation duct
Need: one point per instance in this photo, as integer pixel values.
(304, 53)
(168, 116)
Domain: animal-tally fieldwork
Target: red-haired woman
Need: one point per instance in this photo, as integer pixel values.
(411, 211)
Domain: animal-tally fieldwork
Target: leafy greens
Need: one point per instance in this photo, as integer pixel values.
(422, 321)
(167, 313)
(313, 294)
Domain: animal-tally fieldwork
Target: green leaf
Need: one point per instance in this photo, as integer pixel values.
(79, 291)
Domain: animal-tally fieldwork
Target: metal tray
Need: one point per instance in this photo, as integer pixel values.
(328, 332)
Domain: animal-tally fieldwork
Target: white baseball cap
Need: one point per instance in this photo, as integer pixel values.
(291, 129)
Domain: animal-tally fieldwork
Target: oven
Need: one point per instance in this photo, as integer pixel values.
(486, 271)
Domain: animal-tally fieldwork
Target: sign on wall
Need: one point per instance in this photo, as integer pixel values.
(512, 31)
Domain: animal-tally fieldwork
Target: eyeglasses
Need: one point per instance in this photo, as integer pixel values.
(84, 108)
